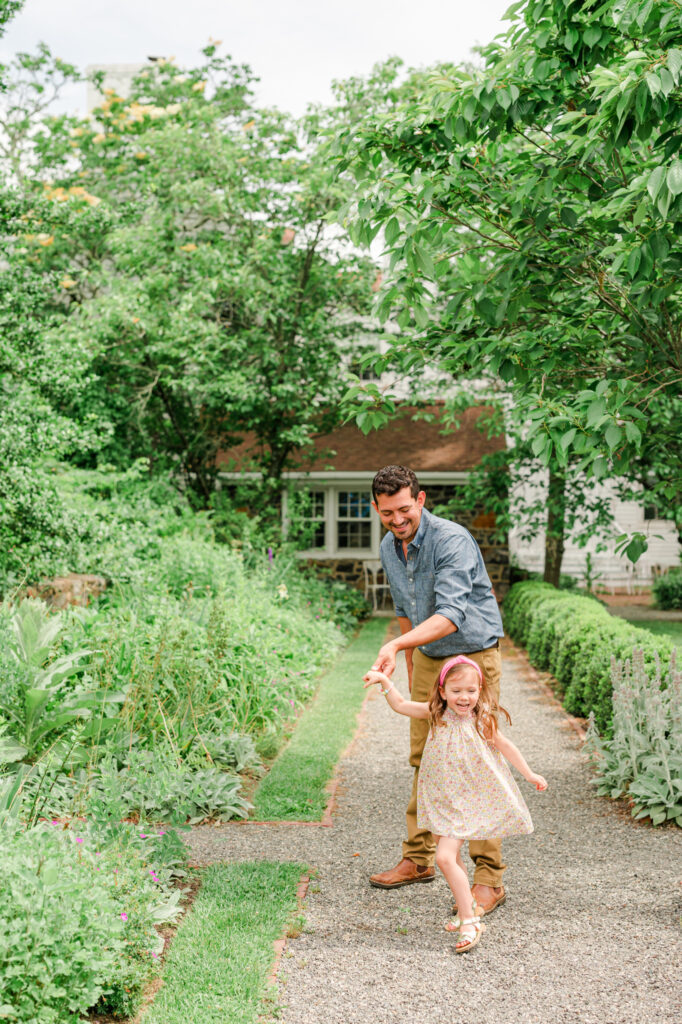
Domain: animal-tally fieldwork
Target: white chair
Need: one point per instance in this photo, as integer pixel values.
(375, 581)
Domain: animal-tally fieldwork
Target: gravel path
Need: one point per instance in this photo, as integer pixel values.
(590, 933)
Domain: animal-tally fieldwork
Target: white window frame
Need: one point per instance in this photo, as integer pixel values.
(359, 482)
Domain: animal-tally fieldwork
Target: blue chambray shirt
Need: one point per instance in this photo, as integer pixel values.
(444, 575)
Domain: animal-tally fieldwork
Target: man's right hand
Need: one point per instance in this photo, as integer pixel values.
(385, 660)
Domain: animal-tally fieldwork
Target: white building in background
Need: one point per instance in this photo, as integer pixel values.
(608, 570)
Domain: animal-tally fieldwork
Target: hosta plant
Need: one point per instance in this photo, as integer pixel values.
(643, 760)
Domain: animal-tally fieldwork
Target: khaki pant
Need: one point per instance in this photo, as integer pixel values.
(420, 845)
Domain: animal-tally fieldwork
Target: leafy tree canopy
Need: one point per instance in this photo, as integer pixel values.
(532, 211)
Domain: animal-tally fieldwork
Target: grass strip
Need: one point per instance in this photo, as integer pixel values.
(294, 789)
(217, 969)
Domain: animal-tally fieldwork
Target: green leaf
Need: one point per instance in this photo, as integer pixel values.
(488, 311)
(675, 63)
(613, 436)
(10, 750)
(674, 177)
(667, 82)
(424, 261)
(632, 432)
(636, 548)
(568, 216)
(654, 83)
(592, 35)
(656, 179)
(392, 231)
(596, 410)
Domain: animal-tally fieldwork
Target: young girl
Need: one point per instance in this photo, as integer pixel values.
(466, 790)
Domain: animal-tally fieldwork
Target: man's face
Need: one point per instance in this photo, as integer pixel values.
(400, 512)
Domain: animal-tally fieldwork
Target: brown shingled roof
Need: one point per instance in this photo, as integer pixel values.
(405, 440)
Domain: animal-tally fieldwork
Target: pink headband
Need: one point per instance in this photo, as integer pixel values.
(461, 659)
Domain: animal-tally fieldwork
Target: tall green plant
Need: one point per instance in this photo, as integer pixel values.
(43, 709)
(643, 760)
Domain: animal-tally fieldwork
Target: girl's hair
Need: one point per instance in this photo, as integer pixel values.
(486, 710)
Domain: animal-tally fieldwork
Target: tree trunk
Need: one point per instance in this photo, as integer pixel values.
(554, 533)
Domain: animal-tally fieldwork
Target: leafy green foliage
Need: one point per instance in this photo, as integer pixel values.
(531, 211)
(667, 589)
(643, 759)
(78, 919)
(190, 245)
(43, 707)
(575, 638)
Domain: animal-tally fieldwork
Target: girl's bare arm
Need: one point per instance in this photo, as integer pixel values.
(411, 708)
(516, 758)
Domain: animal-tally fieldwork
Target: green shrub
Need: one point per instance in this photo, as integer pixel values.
(79, 910)
(643, 759)
(574, 637)
(61, 931)
(667, 589)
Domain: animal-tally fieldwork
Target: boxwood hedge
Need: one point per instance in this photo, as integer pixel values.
(574, 637)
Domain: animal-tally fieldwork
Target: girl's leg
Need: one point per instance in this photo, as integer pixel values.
(449, 860)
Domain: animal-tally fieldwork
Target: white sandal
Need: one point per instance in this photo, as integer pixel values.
(466, 937)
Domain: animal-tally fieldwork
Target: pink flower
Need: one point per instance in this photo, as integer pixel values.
(79, 839)
(143, 835)
(124, 916)
(162, 833)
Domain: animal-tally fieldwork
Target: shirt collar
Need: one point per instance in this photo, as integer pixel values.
(418, 538)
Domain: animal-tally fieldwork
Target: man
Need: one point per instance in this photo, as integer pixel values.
(445, 606)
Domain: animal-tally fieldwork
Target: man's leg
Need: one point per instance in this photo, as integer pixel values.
(419, 848)
(487, 853)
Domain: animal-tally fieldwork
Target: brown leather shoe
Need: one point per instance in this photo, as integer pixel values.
(404, 873)
(487, 898)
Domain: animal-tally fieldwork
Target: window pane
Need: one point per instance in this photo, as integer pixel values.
(354, 535)
(354, 505)
(318, 536)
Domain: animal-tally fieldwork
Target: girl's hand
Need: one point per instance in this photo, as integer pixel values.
(376, 677)
(538, 781)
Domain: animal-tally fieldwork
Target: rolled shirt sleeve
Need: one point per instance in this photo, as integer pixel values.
(455, 568)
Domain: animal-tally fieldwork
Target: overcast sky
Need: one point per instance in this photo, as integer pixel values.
(296, 47)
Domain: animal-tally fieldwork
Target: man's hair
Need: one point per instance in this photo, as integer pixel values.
(392, 479)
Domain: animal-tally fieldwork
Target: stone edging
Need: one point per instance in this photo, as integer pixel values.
(280, 944)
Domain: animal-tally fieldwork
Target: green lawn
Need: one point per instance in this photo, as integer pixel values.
(663, 627)
(217, 969)
(294, 789)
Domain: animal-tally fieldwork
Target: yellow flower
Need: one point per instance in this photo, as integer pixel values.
(249, 124)
(190, 247)
(136, 319)
(198, 86)
(141, 155)
(45, 240)
(67, 282)
(100, 137)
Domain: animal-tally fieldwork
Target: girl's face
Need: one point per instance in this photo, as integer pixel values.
(461, 691)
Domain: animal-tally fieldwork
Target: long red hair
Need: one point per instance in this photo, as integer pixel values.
(486, 709)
